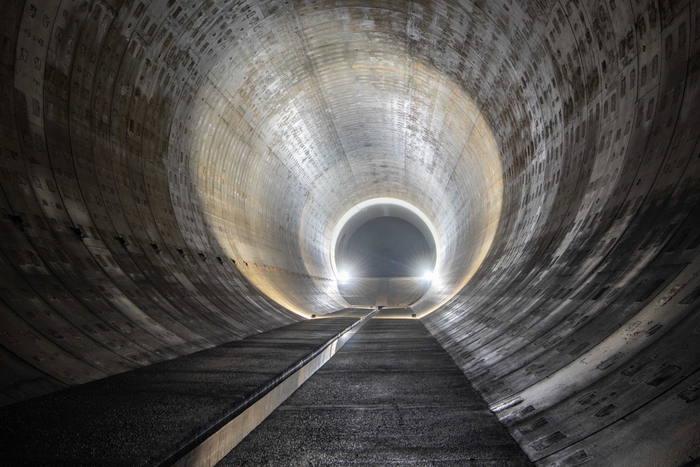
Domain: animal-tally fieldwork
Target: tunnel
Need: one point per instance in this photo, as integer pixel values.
(185, 176)
(384, 254)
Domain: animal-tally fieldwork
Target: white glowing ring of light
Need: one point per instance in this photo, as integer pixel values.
(396, 202)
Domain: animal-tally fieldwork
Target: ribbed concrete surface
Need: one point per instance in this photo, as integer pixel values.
(145, 416)
(172, 173)
(391, 396)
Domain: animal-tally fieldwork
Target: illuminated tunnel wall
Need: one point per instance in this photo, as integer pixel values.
(172, 174)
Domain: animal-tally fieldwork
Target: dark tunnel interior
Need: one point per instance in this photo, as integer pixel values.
(386, 247)
(176, 175)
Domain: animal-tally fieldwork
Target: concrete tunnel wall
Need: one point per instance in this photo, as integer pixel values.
(172, 173)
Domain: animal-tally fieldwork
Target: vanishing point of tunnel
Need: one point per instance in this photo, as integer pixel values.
(238, 185)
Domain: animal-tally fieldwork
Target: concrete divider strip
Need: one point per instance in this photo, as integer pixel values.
(217, 444)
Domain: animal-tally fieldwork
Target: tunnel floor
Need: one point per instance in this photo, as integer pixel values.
(149, 416)
(391, 396)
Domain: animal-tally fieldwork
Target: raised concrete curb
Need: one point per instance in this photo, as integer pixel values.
(185, 410)
(219, 440)
(391, 396)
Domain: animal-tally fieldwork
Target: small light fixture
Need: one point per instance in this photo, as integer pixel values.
(343, 277)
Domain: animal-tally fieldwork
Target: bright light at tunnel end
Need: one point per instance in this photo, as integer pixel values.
(343, 277)
(428, 276)
(371, 202)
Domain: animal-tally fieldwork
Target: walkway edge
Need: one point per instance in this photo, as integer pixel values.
(218, 444)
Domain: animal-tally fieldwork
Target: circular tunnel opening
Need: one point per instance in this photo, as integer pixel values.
(385, 254)
(173, 174)
(386, 246)
(270, 164)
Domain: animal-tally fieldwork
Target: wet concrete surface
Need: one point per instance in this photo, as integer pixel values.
(391, 396)
(144, 416)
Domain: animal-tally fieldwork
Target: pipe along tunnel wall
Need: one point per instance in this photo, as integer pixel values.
(172, 173)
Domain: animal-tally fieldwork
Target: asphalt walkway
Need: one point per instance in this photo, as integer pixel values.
(152, 415)
(391, 396)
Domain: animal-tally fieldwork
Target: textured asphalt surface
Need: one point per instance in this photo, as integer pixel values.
(145, 415)
(390, 396)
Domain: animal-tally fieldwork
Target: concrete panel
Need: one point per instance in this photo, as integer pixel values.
(172, 173)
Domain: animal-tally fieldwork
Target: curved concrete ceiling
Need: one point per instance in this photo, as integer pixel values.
(302, 114)
(173, 172)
